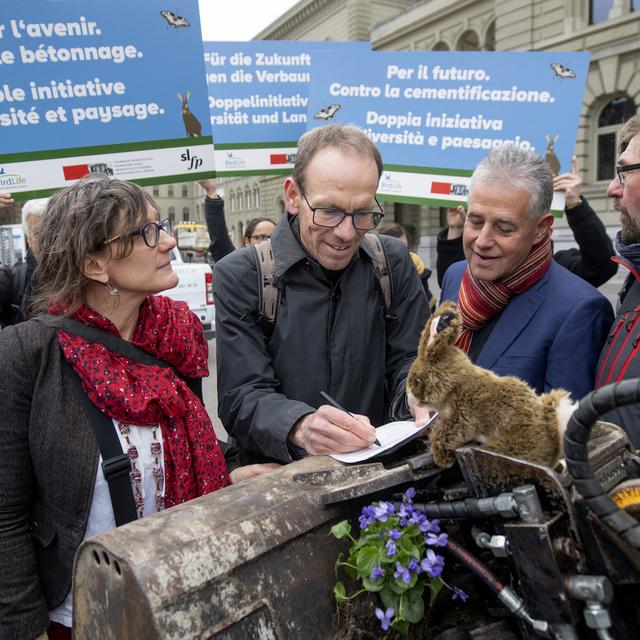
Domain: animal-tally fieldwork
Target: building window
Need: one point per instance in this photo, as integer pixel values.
(256, 197)
(614, 113)
(170, 191)
(599, 10)
(172, 214)
(156, 192)
(469, 41)
(240, 200)
(247, 197)
(185, 191)
(185, 214)
(441, 46)
(635, 5)
(232, 202)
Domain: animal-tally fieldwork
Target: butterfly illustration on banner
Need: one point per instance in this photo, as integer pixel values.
(174, 20)
(327, 113)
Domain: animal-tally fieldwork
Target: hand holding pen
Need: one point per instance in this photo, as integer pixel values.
(331, 430)
(337, 405)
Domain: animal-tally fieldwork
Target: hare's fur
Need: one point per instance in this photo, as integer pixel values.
(475, 405)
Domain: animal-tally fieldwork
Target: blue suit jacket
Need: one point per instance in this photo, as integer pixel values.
(550, 335)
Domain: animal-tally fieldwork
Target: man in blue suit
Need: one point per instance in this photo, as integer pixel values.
(523, 314)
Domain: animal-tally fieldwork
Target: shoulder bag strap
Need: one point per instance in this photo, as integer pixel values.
(116, 465)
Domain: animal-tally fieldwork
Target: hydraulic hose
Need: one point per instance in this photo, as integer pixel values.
(576, 437)
(505, 594)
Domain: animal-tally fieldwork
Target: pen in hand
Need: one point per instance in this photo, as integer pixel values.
(337, 405)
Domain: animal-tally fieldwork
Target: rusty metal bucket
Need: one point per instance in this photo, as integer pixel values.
(251, 561)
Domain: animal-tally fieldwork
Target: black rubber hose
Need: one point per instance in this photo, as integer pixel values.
(576, 437)
(475, 566)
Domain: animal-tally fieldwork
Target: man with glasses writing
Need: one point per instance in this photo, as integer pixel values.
(332, 331)
(619, 357)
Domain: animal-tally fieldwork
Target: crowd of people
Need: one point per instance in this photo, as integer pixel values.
(102, 353)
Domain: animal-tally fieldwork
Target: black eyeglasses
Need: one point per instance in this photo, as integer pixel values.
(260, 237)
(620, 169)
(150, 233)
(330, 217)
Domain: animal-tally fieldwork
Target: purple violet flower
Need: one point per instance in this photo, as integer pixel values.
(385, 617)
(414, 566)
(409, 495)
(391, 548)
(394, 534)
(433, 564)
(436, 540)
(402, 572)
(459, 594)
(383, 510)
(377, 573)
(367, 517)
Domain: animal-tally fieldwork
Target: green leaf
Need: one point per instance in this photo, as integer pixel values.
(390, 599)
(407, 546)
(435, 586)
(367, 559)
(401, 626)
(412, 607)
(372, 585)
(341, 529)
(340, 592)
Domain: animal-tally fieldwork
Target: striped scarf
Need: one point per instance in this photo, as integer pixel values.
(480, 300)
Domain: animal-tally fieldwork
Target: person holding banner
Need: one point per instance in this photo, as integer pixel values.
(523, 314)
(110, 361)
(332, 330)
(257, 229)
(591, 260)
(6, 200)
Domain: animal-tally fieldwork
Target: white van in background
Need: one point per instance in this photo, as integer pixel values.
(195, 288)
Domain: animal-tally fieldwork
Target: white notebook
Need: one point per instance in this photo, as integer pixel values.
(391, 436)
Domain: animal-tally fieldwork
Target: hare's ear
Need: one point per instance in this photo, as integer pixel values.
(555, 138)
(180, 98)
(187, 95)
(546, 135)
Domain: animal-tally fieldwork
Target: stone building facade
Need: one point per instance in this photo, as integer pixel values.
(609, 29)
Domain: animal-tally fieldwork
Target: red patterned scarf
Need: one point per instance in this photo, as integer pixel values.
(480, 300)
(146, 395)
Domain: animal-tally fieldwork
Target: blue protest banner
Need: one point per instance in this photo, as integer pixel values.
(258, 100)
(87, 85)
(434, 115)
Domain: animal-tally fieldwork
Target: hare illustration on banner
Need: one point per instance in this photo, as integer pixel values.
(191, 123)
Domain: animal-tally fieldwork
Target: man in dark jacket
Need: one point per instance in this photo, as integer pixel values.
(619, 358)
(332, 331)
(591, 261)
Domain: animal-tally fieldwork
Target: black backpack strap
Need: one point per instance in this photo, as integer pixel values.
(116, 465)
(381, 268)
(268, 291)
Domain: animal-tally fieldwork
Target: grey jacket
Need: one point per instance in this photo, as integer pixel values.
(327, 336)
(48, 463)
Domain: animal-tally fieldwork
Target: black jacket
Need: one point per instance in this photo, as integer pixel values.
(16, 287)
(620, 359)
(327, 336)
(220, 244)
(592, 261)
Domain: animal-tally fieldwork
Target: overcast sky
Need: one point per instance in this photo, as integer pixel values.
(239, 19)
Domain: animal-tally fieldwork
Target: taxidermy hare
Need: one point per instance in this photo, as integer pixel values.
(501, 413)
